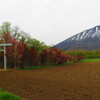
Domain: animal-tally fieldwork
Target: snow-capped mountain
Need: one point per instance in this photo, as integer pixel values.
(86, 40)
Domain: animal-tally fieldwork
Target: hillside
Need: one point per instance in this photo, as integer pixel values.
(86, 40)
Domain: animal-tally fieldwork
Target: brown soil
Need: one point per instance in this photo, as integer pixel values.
(79, 81)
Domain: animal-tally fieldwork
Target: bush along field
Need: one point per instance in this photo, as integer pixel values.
(8, 96)
(26, 51)
(89, 56)
(86, 53)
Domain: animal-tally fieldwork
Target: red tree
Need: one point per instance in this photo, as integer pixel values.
(14, 52)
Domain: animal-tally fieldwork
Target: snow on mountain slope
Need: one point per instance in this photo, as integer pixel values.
(82, 40)
(94, 32)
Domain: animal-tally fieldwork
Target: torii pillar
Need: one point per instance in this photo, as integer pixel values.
(4, 50)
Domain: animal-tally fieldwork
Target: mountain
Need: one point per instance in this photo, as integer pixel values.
(86, 40)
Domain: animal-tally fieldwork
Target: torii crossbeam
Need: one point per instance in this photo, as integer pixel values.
(4, 50)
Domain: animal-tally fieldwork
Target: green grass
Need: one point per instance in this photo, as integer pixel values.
(8, 96)
(90, 60)
(44, 66)
(36, 67)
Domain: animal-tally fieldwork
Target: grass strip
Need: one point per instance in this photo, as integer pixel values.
(45, 66)
(90, 60)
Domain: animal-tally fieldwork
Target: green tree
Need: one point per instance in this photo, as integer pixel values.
(5, 28)
(39, 46)
(19, 34)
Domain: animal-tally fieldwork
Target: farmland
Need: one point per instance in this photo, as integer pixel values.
(41, 72)
(77, 81)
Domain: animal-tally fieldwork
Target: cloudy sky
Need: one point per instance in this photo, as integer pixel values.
(51, 21)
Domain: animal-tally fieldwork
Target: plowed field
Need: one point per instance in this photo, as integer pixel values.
(79, 81)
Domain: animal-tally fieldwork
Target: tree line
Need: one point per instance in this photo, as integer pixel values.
(26, 51)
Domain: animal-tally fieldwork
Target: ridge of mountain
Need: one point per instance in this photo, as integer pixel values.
(86, 40)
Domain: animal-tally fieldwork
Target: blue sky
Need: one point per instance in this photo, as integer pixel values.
(51, 21)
